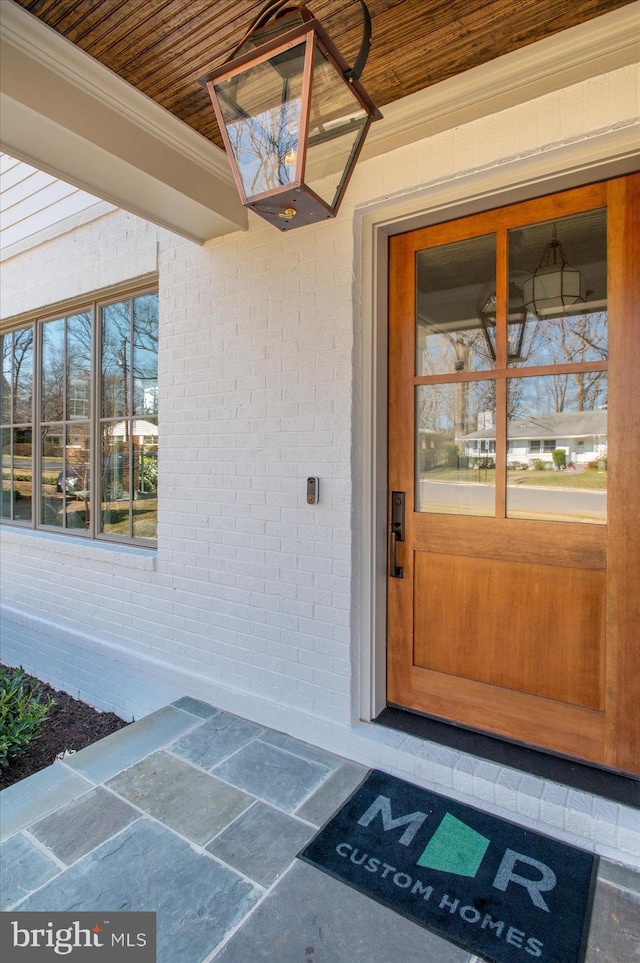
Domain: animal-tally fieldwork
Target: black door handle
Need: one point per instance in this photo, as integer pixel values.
(397, 533)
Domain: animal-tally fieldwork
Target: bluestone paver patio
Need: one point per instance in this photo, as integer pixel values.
(198, 815)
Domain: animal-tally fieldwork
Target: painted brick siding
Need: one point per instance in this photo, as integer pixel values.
(256, 369)
(253, 593)
(116, 247)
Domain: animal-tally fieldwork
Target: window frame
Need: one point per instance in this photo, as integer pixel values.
(94, 529)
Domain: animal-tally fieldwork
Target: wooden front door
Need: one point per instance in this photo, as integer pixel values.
(514, 455)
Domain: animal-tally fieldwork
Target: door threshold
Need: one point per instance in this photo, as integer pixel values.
(616, 786)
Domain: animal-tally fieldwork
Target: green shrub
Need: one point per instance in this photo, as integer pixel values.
(559, 456)
(539, 464)
(149, 474)
(22, 710)
(452, 456)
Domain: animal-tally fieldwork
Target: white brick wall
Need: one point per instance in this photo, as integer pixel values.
(250, 598)
(259, 323)
(113, 248)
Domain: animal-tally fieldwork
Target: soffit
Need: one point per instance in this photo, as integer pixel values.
(104, 95)
(162, 48)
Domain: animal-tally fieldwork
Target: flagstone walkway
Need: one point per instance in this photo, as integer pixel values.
(198, 815)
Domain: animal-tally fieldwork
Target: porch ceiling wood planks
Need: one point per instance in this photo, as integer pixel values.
(161, 47)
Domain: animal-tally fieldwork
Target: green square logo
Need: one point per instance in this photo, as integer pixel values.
(454, 848)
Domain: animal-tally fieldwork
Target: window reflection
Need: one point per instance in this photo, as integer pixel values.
(65, 386)
(450, 279)
(145, 355)
(78, 367)
(16, 405)
(52, 381)
(96, 450)
(455, 448)
(116, 359)
(575, 331)
(557, 447)
(264, 139)
(129, 418)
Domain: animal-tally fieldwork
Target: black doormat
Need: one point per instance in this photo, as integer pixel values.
(493, 888)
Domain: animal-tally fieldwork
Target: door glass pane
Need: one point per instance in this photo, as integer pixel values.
(453, 286)
(557, 447)
(561, 268)
(455, 448)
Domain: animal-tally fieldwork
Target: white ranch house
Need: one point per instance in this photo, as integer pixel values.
(582, 435)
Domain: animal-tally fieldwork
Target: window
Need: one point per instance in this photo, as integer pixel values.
(79, 401)
(511, 347)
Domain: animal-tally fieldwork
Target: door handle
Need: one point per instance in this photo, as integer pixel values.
(397, 533)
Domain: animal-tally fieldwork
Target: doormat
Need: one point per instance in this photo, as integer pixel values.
(493, 888)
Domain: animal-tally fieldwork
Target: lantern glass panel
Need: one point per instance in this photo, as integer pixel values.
(337, 124)
(261, 108)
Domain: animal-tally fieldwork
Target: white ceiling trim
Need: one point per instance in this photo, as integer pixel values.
(66, 114)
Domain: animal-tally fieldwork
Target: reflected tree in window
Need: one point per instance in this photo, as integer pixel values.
(128, 417)
(16, 391)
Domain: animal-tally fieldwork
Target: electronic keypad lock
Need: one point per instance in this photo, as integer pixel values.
(313, 490)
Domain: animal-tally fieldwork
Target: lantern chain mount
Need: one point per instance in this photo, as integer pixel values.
(273, 8)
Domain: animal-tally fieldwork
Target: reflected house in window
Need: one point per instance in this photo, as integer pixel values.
(582, 435)
(144, 433)
(431, 448)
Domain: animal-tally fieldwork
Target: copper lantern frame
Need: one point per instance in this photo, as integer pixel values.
(294, 203)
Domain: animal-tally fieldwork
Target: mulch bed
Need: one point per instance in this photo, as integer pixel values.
(70, 725)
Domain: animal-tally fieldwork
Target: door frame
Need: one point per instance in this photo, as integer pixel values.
(573, 165)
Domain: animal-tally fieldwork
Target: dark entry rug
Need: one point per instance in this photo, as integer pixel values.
(493, 888)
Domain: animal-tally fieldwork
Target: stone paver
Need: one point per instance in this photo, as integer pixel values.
(122, 748)
(196, 707)
(23, 868)
(147, 867)
(614, 936)
(276, 776)
(298, 748)
(331, 794)
(191, 802)
(261, 843)
(40, 794)
(312, 918)
(83, 824)
(216, 739)
(192, 776)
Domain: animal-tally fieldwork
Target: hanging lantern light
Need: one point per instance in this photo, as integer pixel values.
(555, 286)
(518, 338)
(293, 115)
